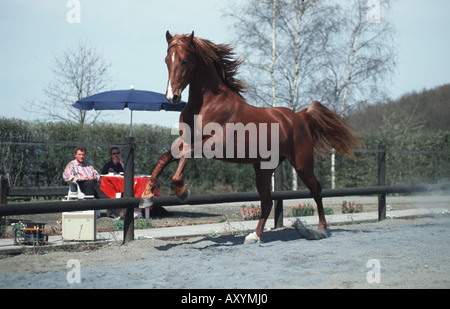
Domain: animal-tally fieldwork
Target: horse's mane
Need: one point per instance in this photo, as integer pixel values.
(221, 57)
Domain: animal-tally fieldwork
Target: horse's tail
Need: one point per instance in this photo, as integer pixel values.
(329, 130)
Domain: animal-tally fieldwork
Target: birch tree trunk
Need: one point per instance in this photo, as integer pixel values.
(272, 65)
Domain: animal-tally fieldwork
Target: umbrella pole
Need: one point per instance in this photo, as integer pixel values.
(128, 225)
(131, 124)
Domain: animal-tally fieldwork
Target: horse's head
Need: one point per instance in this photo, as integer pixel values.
(180, 64)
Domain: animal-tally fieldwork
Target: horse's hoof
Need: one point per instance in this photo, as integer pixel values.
(252, 239)
(146, 202)
(322, 227)
(185, 196)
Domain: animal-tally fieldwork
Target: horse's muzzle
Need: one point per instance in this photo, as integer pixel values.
(175, 99)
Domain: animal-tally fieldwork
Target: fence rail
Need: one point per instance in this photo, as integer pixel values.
(132, 202)
(37, 191)
(202, 199)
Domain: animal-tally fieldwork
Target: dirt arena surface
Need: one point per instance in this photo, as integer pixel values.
(395, 253)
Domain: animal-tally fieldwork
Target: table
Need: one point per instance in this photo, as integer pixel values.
(31, 233)
(112, 186)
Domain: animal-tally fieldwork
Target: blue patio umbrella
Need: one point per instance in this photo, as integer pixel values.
(132, 99)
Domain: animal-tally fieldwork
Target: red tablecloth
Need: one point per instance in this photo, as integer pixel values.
(110, 185)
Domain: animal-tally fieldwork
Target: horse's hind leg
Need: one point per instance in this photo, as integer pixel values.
(263, 179)
(304, 165)
(147, 195)
(310, 180)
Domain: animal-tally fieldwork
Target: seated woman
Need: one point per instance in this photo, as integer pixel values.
(115, 165)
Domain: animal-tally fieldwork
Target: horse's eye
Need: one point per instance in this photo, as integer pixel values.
(183, 62)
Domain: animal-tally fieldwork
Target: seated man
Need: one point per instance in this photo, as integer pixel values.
(84, 174)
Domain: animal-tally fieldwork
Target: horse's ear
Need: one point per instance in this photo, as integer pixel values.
(191, 37)
(169, 37)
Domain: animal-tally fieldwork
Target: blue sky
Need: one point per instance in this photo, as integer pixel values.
(131, 35)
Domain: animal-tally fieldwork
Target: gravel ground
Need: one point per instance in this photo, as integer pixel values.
(390, 254)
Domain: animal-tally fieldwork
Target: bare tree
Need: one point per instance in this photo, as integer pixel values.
(274, 51)
(325, 50)
(358, 58)
(255, 24)
(278, 41)
(78, 72)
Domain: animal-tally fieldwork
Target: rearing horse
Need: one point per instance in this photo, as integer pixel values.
(215, 105)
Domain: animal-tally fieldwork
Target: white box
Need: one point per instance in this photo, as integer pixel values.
(79, 225)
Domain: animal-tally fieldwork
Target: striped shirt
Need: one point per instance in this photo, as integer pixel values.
(79, 170)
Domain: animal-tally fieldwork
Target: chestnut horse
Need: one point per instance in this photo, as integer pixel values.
(215, 102)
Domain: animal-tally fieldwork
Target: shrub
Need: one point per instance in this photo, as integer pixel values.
(117, 224)
(302, 209)
(328, 211)
(143, 224)
(2, 226)
(254, 213)
(351, 207)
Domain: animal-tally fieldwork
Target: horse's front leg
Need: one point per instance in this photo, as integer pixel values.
(180, 188)
(147, 195)
(186, 152)
(263, 180)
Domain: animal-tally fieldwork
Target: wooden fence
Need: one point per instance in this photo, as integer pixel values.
(132, 202)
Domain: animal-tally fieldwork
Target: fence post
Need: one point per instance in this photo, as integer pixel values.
(128, 189)
(3, 189)
(3, 199)
(278, 209)
(381, 181)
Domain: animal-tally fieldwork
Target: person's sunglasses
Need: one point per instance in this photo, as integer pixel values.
(114, 153)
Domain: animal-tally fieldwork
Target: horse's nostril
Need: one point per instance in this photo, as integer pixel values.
(175, 98)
